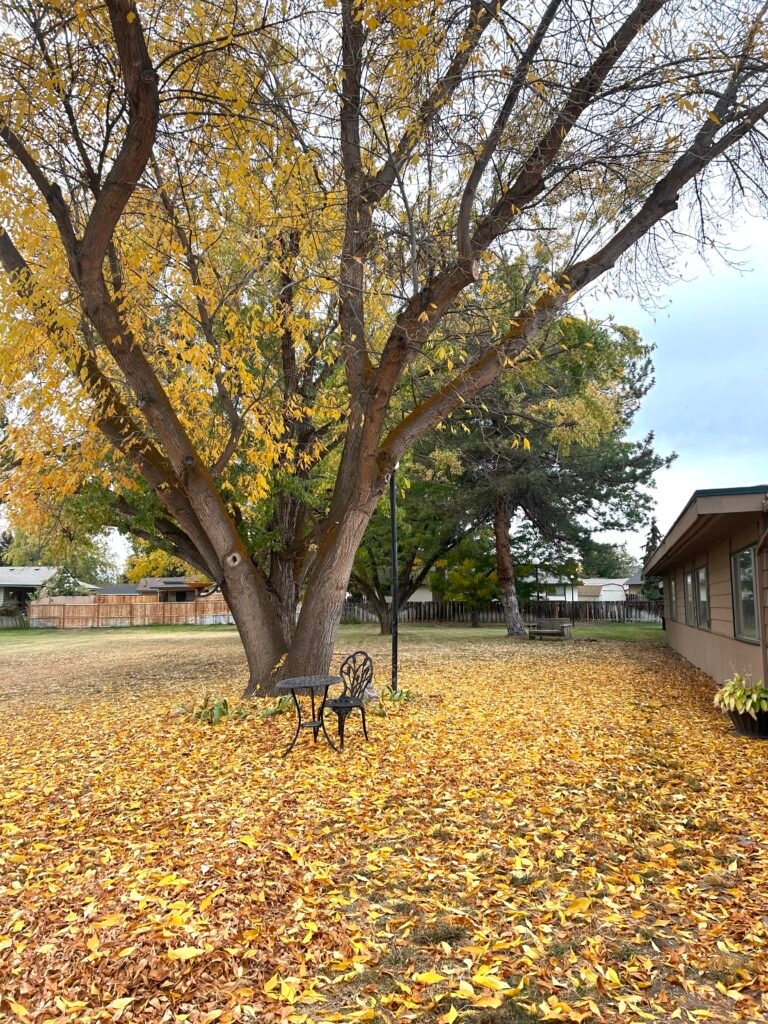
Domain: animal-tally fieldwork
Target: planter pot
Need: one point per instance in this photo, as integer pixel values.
(746, 725)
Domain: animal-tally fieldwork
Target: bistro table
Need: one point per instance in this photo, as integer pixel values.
(311, 685)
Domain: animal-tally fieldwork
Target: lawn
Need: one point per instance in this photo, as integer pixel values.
(554, 831)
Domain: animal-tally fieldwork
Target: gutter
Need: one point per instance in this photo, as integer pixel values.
(760, 558)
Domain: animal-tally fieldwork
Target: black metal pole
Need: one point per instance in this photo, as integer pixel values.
(395, 597)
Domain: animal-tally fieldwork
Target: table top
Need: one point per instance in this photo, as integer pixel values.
(309, 682)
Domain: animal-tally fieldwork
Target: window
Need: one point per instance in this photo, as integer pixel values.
(702, 597)
(743, 583)
(690, 607)
(672, 598)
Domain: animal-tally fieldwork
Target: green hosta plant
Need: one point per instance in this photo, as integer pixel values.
(212, 711)
(743, 696)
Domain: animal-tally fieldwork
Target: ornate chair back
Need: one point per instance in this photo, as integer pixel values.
(357, 672)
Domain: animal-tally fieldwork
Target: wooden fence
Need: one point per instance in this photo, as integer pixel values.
(110, 610)
(493, 614)
(13, 621)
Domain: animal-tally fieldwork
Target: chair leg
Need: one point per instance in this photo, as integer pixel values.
(342, 719)
(365, 729)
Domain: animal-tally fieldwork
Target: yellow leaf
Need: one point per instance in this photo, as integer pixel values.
(120, 1004)
(450, 1017)
(579, 906)
(18, 1009)
(489, 981)
(184, 953)
(271, 984)
(428, 978)
(109, 921)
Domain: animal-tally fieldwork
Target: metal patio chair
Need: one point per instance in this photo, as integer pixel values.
(356, 672)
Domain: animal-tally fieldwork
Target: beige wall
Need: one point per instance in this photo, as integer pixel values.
(718, 656)
(715, 650)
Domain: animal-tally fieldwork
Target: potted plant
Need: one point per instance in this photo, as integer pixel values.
(747, 704)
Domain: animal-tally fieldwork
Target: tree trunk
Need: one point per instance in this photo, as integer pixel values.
(385, 618)
(260, 635)
(505, 571)
(284, 593)
(313, 642)
(474, 618)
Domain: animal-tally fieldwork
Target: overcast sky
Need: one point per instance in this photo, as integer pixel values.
(710, 401)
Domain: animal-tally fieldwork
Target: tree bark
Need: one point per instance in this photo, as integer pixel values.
(313, 642)
(505, 571)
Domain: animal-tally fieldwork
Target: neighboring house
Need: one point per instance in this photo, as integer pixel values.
(19, 582)
(634, 587)
(171, 588)
(118, 590)
(713, 564)
(592, 589)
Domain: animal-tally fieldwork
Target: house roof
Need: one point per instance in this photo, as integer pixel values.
(603, 581)
(589, 590)
(119, 588)
(169, 583)
(636, 580)
(32, 576)
(710, 513)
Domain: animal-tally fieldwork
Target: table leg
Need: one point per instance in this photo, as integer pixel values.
(331, 744)
(292, 744)
(316, 730)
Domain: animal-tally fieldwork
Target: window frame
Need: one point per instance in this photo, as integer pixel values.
(697, 597)
(736, 596)
(689, 597)
(673, 597)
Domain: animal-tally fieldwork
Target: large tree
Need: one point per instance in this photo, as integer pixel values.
(546, 444)
(237, 238)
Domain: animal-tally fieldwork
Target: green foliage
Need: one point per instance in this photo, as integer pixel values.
(6, 539)
(86, 556)
(63, 583)
(469, 573)
(741, 695)
(651, 589)
(280, 707)
(609, 561)
(213, 711)
(10, 607)
(156, 562)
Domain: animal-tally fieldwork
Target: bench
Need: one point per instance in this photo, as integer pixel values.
(550, 629)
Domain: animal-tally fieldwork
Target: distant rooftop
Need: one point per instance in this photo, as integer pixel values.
(26, 575)
(168, 583)
(119, 588)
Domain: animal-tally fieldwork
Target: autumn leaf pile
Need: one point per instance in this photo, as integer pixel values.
(563, 831)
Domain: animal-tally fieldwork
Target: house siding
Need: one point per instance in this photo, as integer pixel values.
(717, 651)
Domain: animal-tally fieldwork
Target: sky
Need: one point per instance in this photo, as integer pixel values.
(710, 400)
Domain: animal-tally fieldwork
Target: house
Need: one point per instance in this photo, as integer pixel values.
(20, 582)
(118, 590)
(171, 588)
(713, 564)
(592, 589)
(634, 587)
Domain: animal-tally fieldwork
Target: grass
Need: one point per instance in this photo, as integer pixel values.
(424, 633)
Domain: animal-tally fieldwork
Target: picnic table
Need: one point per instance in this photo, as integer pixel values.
(312, 685)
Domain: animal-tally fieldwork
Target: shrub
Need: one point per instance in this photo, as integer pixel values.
(741, 695)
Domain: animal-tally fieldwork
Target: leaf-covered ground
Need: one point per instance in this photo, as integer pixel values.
(564, 831)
